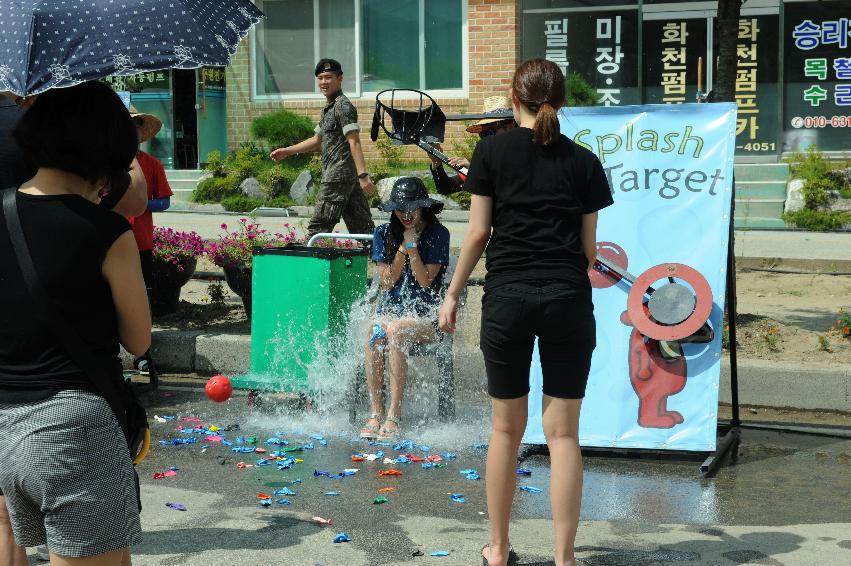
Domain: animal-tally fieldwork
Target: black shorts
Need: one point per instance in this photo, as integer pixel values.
(560, 314)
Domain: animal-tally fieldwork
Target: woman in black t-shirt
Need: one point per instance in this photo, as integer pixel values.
(67, 475)
(535, 200)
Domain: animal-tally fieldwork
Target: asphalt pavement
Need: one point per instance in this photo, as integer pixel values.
(783, 501)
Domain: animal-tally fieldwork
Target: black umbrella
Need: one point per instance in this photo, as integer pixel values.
(47, 44)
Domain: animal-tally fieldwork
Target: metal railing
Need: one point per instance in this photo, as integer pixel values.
(336, 236)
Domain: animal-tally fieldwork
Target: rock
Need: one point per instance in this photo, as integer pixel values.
(384, 187)
(794, 198)
(205, 175)
(303, 187)
(251, 188)
(842, 204)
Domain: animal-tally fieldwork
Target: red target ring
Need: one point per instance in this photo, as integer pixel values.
(641, 319)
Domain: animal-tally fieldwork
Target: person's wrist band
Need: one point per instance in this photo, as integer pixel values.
(363, 175)
(410, 245)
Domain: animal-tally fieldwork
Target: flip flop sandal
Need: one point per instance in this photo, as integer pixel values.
(370, 432)
(512, 556)
(390, 434)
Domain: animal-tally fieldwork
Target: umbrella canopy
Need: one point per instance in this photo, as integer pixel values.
(48, 44)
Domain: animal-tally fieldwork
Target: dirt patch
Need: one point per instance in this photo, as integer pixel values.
(198, 312)
(763, 338)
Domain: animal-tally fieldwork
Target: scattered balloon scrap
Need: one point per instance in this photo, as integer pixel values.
(379, 500)
(342, 537)
(524, 472)
(440, 553)
(321, 521)
(176, 506)
(530, 489)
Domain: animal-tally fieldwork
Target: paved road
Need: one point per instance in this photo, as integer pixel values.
(784, 502)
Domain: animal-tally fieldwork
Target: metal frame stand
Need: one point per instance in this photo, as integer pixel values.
(729, 441)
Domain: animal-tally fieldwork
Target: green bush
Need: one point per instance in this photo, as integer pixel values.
(315, 167)
(815, 193)
(282, 128)
(213, 189)
(280, 201)
(241, 203)
(271, 177)
(465, 147)
(818, 220)
(578, 92)
(462, 198)
(215, 163)
(809, 165)
(246, 162)
(391, 153)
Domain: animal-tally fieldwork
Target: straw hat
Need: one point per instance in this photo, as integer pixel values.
(499, 106)
(150, 124)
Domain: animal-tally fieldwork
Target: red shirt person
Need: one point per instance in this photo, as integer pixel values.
(159, 191)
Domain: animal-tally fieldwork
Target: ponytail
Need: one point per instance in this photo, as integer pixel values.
(546, 129)
(539, 85)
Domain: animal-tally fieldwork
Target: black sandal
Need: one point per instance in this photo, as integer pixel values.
(512, 556)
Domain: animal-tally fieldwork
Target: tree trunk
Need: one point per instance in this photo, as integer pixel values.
(724, 87)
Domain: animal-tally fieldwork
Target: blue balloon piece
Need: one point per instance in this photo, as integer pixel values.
(448, 455)
(239, 439)
(317, 473)
(284, 491)
(524, 472)
(379, 454)
(427, 465)
(467, 471)
(296, 481)
(440, 553)
(282, 501)
(342, 537)
(458, 498)
(176, 506)
(332, 493)
(273, 441)
(265, 502)
(308, 446)
(404, 445)
(403, 460)
(531, 489)
(349, 473)
(262, 462)
(425, 448)
(226, 442)
(480, 446)
(337, 477)
(473, 476)
(168, 417)
(323, 442)
(317, 437)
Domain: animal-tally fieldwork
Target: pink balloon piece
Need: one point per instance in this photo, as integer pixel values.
(215, 438)
(189, 419)
(321, 521)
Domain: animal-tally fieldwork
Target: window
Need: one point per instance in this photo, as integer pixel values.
(401, 44)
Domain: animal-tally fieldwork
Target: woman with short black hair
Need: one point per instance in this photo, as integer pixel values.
(67, 473)
(535, 200)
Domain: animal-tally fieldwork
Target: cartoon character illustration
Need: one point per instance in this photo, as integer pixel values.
(662, 319)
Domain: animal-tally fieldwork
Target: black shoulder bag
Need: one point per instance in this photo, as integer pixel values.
(117, 390)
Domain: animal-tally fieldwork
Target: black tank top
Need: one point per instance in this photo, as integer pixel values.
(68, 238)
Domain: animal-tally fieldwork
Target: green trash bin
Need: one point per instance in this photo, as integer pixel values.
(301, 296)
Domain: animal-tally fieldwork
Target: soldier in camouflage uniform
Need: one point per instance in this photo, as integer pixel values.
(345, 182)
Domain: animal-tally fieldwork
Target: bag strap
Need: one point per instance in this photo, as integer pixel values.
(74, 346)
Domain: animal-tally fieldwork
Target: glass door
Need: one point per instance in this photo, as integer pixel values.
(212, 113)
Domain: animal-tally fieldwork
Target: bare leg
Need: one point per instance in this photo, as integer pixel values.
(401, 335)
(374, 362)
(561, 428)
(115, 558)
(508, 422)
(10, 552)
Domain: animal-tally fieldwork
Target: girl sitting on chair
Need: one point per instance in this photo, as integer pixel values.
(412, 252)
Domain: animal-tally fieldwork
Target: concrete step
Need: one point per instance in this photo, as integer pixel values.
(761, 172)
(183, 174)
(759, 208)
(182, 195)
(755, 223)
(761, 189)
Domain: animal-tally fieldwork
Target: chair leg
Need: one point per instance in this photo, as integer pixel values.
(446, 384)
(354, 394)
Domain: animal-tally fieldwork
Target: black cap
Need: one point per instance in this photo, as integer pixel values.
(328, 66)
(409, 194)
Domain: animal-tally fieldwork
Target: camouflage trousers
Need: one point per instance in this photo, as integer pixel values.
(341, 199)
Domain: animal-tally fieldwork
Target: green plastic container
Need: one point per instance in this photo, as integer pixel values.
(300, 295)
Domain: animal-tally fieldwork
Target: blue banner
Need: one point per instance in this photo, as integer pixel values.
(670, 168)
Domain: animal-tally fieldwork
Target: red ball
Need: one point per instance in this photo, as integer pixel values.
(219, 388)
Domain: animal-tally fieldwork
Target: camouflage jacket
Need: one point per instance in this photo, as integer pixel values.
(339, 117)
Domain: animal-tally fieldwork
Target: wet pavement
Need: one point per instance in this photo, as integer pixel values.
(785, 499)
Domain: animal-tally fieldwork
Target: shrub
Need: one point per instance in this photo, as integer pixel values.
(175, 247)
(215, 163)
(233, 249)
(462, 198)
(281, 201)
(214, 189)
(809, 165)
(815, 193)
(818, 220)
(578, 92)
(390, 152)
(465, 147)
(246, 162)
(241, 203)
(271, 177)
(315, 167)
(282, 128)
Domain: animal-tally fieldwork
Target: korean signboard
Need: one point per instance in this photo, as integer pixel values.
(601, 47)
(671, 52)
(817, 56)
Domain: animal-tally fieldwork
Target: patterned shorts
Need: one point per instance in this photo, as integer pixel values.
(67, 476)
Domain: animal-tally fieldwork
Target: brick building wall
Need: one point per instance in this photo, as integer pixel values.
(494, 48)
